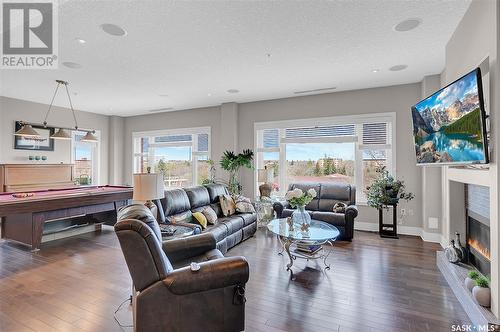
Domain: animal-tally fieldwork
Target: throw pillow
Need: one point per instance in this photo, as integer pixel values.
(180, 217)
(201, 219)
(210, 214)
(227, 204)
(241, 198)
(339, 207)
(245, 207)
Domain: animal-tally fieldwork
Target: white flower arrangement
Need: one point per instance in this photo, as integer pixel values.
(297, 197)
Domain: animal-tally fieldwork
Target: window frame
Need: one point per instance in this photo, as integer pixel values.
(195, 154)
(357, 138)
(95, 154)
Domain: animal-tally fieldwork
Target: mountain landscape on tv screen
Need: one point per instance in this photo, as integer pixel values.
(447, 125)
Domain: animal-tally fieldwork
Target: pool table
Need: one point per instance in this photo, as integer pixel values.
(24, 217)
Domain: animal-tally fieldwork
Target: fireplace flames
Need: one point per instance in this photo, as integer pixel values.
(485, 252)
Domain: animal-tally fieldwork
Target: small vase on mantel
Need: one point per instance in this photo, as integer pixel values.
(300, 216)
(460, 248)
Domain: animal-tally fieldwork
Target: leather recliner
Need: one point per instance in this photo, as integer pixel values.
(169, 299)
(321, 207)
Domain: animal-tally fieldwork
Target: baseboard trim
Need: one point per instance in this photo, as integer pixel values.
(404, 230)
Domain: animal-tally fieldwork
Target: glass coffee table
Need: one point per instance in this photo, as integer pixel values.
(308, 244)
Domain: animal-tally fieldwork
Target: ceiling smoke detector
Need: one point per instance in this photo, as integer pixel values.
(398, 67)
(113, 30)
(408, 24)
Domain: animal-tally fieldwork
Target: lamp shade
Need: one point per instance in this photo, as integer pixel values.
(27, 131)
(148, 186)
(265, 175)
(61, 134)
(89, 138)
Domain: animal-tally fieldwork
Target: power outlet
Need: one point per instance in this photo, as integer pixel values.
(433, 223)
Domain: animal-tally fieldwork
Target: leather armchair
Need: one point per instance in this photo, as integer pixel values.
(169, 299)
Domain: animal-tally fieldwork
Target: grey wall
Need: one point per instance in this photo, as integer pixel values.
(396, 99)
(15, 109)
(201, 117)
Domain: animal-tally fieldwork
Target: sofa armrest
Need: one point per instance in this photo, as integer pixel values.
(190, 246)
(351, 212)
(214, 274)
(279, 207)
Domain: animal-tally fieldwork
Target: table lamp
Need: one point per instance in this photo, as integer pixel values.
(265, 175)
(147, 187)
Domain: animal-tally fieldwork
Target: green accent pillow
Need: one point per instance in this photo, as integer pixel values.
(201, 219)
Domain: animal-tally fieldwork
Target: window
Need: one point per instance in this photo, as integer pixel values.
(85, 158)
(182, 156)
(342, 149)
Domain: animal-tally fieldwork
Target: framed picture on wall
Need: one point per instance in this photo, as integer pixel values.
(45, 143)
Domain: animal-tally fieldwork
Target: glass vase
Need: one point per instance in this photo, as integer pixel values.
(300, 216)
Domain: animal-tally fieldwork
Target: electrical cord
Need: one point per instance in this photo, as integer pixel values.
(129, 299)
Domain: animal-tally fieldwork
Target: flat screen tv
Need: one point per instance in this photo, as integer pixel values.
(449, 127)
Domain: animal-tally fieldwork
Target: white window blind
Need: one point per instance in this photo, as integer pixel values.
(375, 133)
(326, 131)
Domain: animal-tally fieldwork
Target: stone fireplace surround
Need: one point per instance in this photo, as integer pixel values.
(455, 182)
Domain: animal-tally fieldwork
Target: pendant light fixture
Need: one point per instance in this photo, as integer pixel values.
(27, 130)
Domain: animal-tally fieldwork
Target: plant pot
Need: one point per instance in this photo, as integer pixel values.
(469, 283)
(482, 296)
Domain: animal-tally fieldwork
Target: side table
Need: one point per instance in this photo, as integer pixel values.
(388, 230)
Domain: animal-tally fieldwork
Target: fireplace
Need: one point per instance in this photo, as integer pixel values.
(478, 242)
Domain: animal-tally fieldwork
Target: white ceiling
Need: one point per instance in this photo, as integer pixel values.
(194, 51)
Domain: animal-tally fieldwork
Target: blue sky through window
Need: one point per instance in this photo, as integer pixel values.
(315, 151)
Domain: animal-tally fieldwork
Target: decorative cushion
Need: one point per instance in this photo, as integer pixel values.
(210, 215)
(201, 219)
(241, 198)
(339, 207)
(186, 216)
(245, 207)
(227, 204)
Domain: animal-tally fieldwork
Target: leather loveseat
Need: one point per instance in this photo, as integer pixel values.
(179, 204)
(321, 207)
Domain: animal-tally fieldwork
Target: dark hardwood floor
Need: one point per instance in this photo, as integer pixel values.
(375, 284)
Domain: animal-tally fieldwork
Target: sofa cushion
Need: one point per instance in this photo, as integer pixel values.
(185, 217)
(339, 192)
(200, 219)
(233, 223)
(227, 205)
(305, 186)
(335, 219)
(248, 218)
(210, 214)
(216, 207)
(215, 190)
(219, 231)
(288, 212)
(198, 196)
(175, 201)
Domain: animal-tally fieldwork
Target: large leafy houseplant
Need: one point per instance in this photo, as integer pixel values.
(232, 163)
(386, 190)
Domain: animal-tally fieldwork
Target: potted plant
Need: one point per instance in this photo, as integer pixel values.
(386, 190)
(481, 292)
(298, 200)
(232, 163)
(470, 281)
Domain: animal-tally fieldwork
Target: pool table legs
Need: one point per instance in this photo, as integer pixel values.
(22, 228)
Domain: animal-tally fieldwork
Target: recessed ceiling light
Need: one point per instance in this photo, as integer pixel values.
(314, 90)
(72, 65)
(233, 91)
(398, 67)
(375, 70)
(80, 40)
(408, 24)
(113, 29)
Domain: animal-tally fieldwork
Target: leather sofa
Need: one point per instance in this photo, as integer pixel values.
(228, 231)
(321, 207)
(167, 298)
